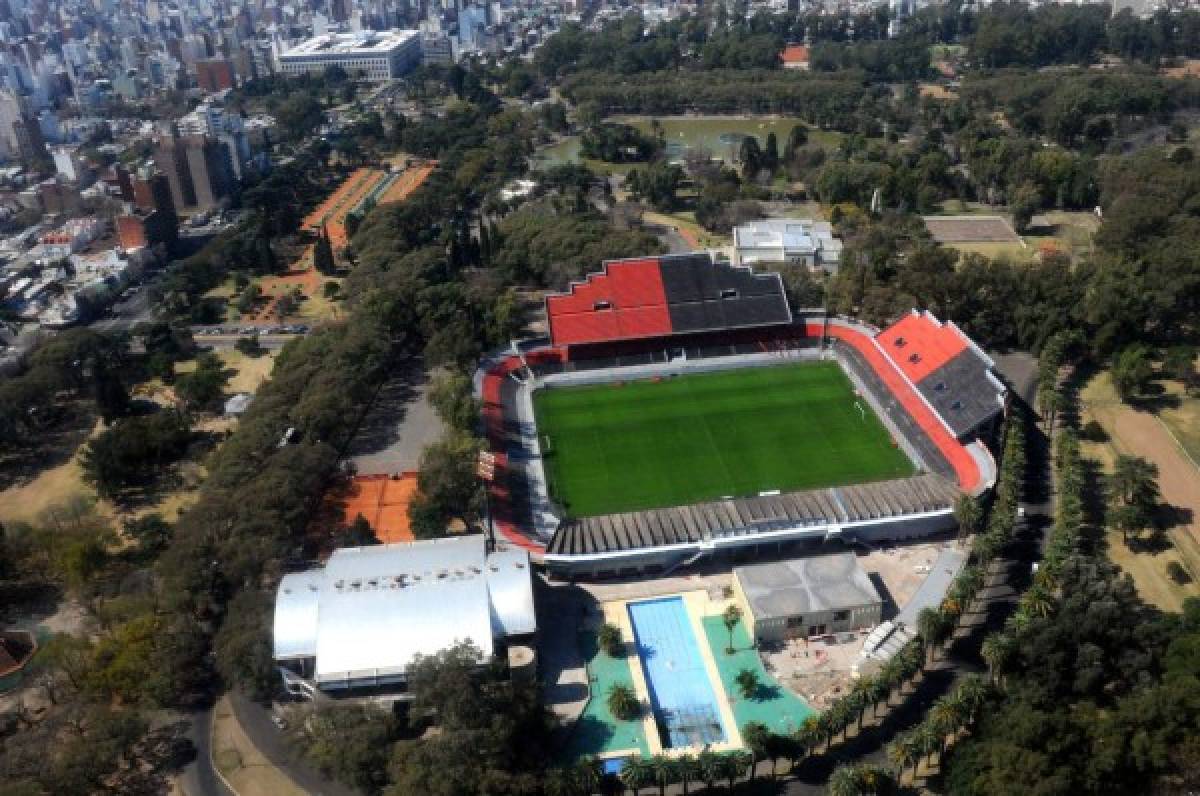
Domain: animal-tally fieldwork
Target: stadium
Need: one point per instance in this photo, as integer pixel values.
(681, 410)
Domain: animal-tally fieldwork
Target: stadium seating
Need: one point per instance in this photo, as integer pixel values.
(664, 296)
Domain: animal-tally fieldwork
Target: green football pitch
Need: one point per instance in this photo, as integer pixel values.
(648, 444)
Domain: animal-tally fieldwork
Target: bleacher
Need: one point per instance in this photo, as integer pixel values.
(720, 519)
(654, 297)
(948, 370)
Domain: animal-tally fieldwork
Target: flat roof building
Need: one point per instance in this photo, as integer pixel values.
(787, 240)
(362, 619)
(376, 55)
(806, 597)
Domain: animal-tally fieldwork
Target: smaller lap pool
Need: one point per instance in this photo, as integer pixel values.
(681, 694)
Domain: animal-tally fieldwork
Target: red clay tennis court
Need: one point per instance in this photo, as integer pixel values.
(383, 500)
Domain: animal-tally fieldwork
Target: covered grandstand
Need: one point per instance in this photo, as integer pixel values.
(933, 390)
(660, 297)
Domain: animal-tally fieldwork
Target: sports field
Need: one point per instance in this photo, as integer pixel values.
(649, 444)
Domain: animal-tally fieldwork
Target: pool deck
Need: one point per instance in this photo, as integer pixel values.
(697, 604)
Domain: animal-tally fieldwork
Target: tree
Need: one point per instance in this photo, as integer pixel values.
(1025, 201)
(751, 157)
(664, 772)
(609, 638)
(730, 619)
(1134, 491)
(453, 398)
(622, 702)
(968, 514)
(933, 628)
(770, 154)
(134, 452)
(757, 738)
(358, 533)
(250, 346)
(748, 683)
(1179, 362)
(635, 774)
(797, 138)
(151, 532)
(687, 770)
(710, 767)
(203, 387)
(998, 651)
(323, 255)
(447, 481)
(736, 764)
(1131, 372)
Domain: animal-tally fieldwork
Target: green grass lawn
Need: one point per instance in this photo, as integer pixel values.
(772, 704)
(649, 444)
(598, 732)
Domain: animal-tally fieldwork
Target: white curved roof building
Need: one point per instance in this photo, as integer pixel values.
(363, 618)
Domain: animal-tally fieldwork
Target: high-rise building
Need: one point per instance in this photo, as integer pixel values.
(198, 170)
(20, 133)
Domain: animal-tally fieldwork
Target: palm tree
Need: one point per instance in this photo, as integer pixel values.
(730, 618)
(747, 682)
(861, 691)
(931, 625)
(587, 774)
(1037, 601)
(967, 585)
(609, 639)
(928, 741)
(890, 675)
(662, 772)
(968, 514)
(998, 651)
(687, 768)
(881, 691)
(737, 763)
(800, 745)
(757, 739)
(623, 702)
(635, 774)
(900, 754)
(844, 781)
(948, 716)
(972, 692)
(710, 768)
(559, 782)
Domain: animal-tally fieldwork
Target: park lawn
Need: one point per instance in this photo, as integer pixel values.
(1099, 402)
(685, 439)
(1183, 420)
(1013, 251)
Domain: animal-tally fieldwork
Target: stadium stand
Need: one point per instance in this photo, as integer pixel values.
(740, 517)
(664, 296)
(952, 374)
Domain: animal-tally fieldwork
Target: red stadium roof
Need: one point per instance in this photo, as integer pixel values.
(660, 296)
(919, 344)
(626, 300)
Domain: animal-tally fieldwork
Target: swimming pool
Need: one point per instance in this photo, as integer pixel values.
(681, 694)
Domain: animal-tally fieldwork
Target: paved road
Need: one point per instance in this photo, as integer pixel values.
(256, 722)
(675, 243)
(223, 341)
(199, 778)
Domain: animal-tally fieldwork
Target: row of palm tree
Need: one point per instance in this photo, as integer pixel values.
(950, 715)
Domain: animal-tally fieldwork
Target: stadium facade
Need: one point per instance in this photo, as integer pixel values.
(934, 390)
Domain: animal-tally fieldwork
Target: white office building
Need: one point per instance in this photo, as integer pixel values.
(377, 55)
(787, 240)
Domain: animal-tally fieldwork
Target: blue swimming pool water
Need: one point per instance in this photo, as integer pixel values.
(684, 703)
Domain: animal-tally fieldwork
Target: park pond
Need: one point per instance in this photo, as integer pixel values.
(720, 135)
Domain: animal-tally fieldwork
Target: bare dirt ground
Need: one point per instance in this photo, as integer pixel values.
(1141, 433)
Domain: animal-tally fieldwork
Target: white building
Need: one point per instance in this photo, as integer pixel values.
(378, 55)
(363, 619)
(787, 240)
